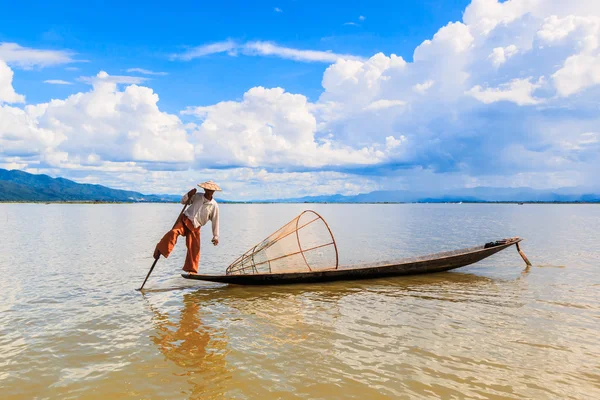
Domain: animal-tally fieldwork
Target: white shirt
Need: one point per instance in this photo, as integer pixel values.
(201, 211)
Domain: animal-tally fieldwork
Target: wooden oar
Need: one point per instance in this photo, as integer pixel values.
(155, 261)
(523, 256)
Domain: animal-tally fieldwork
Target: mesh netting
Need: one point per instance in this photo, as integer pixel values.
(303, 244)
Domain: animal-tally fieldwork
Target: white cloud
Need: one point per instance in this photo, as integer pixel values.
(7, 92)
(278, 10)
(383, 104)
(104, 78)
(519, 91)
(270, 127)
(361, 18)
(259, 48)
(454, 38)
(96, 128)
(581, 69)
(585, 141)
(422, 88)
(21, 136)
(391, 142)
(146, 72)
(485, 15)
(57, 82)
(27, 58)
(359, 81)
(227, 46)
(579, 72)
(271, 49)
(501, 54)
(115, 125)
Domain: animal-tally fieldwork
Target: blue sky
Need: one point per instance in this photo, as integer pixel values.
(116, 35)
(289, 98)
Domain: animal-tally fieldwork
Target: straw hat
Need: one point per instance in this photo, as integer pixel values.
(210, 185)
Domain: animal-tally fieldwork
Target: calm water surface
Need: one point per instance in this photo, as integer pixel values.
(72, 326)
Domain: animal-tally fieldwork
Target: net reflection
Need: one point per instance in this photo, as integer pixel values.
(198, 349)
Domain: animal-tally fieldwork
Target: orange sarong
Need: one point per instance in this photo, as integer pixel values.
(183, 227)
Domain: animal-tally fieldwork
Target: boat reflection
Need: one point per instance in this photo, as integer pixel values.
(236, 295)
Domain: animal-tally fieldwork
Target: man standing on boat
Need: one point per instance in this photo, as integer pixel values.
(202, 208)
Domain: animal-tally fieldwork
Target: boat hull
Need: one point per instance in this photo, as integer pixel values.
(432, 263)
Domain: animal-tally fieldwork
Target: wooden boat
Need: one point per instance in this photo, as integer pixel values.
(437, 262)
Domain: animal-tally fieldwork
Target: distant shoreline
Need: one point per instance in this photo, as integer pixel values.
(22, 187)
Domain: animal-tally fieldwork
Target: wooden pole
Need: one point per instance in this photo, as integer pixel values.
(148, 276)
(523, 256)
(155, 261)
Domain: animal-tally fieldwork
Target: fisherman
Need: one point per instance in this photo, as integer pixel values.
(203, 208)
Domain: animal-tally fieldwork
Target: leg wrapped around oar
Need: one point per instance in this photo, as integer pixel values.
(169, 240)
(157, 250)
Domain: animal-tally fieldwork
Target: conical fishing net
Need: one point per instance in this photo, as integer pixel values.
(304, 244)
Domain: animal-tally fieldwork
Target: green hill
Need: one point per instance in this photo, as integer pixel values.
(17, 185)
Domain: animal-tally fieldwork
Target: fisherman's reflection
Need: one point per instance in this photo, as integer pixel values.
(200, 350)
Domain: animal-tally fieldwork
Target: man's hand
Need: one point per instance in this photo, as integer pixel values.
(190, 195)
(215, 241)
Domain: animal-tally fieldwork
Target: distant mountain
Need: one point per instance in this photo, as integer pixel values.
(17, 185)
(477, 194)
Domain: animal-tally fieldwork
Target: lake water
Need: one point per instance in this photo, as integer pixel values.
(72, 325)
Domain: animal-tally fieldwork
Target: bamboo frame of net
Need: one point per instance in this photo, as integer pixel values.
(246, 264)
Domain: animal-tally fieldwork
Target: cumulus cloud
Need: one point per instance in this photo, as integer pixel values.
(582, 33)
(115, 125)
(7, 92)
(579, 72)
(422, 88)
(519, 91)
(454, 38)
(391, 142)
(97, 127)
(22, 138)
(501, 54)
(273, 128)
